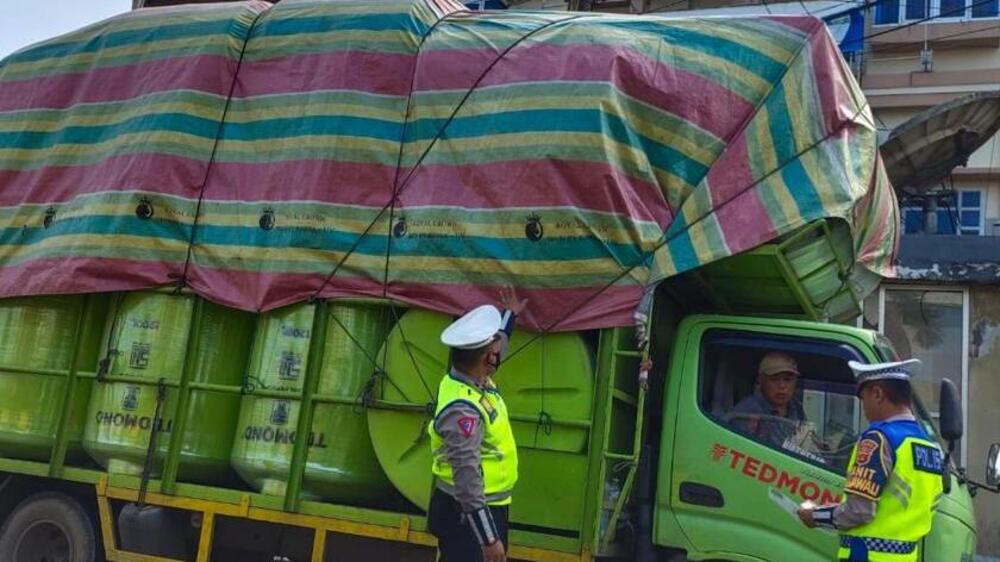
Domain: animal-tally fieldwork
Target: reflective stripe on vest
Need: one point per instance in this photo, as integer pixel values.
(904, 511)
(498, 452)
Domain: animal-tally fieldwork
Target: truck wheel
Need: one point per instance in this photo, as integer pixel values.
(48, 527)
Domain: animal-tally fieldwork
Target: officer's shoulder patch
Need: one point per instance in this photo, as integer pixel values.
(466, 425)
(927, 458)
(866, 447)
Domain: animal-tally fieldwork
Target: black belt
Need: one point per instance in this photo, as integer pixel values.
(873, 544)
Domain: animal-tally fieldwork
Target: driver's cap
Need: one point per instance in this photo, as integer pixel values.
(776, 362)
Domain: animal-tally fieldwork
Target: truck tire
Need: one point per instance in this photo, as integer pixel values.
(48, 527)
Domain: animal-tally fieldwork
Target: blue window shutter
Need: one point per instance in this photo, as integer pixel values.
(887, 11)
(969, 198)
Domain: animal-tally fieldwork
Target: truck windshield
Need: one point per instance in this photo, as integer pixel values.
(888, 353)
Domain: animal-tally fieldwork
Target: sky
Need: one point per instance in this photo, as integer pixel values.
(23, 22)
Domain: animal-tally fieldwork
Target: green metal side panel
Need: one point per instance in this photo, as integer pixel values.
(806, 274)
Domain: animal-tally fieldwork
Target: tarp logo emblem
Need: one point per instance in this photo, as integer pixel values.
(279, 412)
(130, 399)
(50, 215)
(399, 229)
(266, 221)
(534, 230)
(144, 210)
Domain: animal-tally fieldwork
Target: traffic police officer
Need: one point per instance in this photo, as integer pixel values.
(894, 477)
(475, 457)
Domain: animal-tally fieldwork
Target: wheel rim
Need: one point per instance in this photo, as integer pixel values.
(44, 541)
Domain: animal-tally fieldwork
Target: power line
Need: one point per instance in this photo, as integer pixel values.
(928, 18)
(884, 48)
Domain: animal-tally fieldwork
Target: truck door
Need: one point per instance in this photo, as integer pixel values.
(736, 470)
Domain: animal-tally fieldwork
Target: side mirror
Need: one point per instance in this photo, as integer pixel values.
(993, 466)
(950, 411)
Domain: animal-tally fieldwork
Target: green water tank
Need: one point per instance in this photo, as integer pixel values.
(41, 334)
(548, 385)
(149, 338)
(341, 465)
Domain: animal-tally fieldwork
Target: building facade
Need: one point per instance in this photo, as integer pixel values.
(945, 306)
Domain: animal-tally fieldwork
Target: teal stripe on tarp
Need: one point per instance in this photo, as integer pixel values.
(99, 225)
(781, 126)
(563, 120)
(314, 125)
(737, 53)
(330, 240)
(803, 191)
(159, 32)
(290, 24)
(682, 252)
(681, 248)
(801, 188)
(174, 122)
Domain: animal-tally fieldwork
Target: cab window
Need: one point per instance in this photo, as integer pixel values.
(792, 395)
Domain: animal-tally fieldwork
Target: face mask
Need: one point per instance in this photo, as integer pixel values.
(493, 360)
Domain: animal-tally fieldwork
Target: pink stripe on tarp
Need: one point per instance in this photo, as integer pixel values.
(158, 173)
(263, 291)
(363, 71)
(805, 23)
(557, 310)
(687, 95)
(79, 275)
(260, 291)
(745, 222)
(538, 183)
(204, 73)
(738, 207)
(731, 172)
(831, 81)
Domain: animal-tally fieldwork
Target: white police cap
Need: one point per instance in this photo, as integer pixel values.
(474, 329)
(899, 370)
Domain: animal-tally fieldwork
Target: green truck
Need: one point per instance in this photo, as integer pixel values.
(623, 465)
(231, 234)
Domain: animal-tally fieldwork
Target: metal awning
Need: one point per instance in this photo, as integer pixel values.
(924, 150)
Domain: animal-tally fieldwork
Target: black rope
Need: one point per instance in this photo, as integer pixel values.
(544, 422)
(182, 281)
(155, 429)
(110, 350)
(409, 352)
(251, 383)
(402, 145)
(368, 395)
(397, 191)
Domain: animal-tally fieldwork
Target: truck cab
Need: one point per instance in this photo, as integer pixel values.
(727, 485)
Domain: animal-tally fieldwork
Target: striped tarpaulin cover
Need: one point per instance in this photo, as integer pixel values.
(414, 150)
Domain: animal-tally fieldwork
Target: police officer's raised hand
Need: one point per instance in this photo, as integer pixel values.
(509, 300)
(494, 552)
